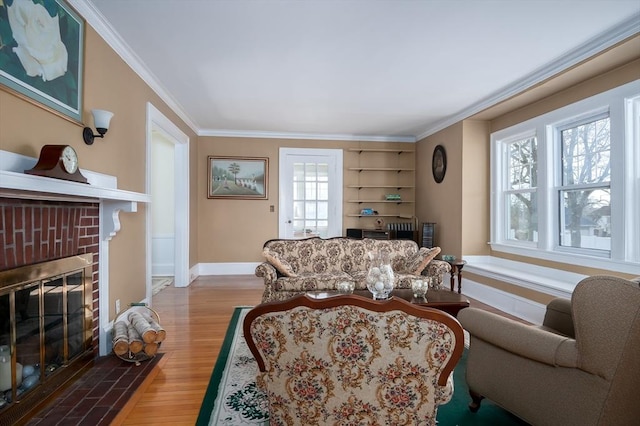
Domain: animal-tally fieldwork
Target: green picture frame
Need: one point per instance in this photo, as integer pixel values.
(45, 69)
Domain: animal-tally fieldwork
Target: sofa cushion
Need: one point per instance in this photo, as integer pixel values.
(307, 281)
(415, 264)
(284, 267)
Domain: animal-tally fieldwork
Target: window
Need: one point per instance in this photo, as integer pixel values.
(566, 184)
(585, 193)
(521, 201)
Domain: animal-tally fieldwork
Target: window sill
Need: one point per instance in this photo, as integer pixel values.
(606, 264)
(545, 280)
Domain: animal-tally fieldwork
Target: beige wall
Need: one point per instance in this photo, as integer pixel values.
(475, 187)
(235, 230)
(442, 202)
(109, 84)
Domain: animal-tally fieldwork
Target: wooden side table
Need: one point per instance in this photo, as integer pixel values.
(456, 267)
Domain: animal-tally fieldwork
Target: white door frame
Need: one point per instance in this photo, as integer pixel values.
(156, 121)
(285, 186)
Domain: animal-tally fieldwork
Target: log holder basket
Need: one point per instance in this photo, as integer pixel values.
(139, 356)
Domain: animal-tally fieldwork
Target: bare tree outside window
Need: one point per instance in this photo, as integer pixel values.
(585, 193)
(521, 192)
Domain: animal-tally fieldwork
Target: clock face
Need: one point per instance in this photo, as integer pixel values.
(69, 159)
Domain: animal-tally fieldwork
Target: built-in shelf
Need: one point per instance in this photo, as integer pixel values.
(380, 201)
(380, 169)
(399, 216)
(381, 186)
(397, 151)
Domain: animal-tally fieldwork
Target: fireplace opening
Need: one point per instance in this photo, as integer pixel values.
(46, 316)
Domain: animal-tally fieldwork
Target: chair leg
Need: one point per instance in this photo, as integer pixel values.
(476, 399)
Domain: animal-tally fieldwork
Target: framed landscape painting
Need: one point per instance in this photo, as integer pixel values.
(42, 54)
(238, 177)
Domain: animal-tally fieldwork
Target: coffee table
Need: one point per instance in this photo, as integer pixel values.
(445, 300)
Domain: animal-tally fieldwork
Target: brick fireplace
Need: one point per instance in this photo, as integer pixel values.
(49, 299)
(50, 221)
(36, 231)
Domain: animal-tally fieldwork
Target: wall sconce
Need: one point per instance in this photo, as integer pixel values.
(101, 119)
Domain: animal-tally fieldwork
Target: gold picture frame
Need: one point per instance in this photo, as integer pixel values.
(244, 178)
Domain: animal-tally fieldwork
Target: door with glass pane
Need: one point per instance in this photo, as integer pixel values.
(310, 193)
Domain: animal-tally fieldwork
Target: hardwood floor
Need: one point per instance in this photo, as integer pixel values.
(196, 320)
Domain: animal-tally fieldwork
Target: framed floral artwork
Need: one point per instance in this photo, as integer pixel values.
(42, 54)
(238, 177)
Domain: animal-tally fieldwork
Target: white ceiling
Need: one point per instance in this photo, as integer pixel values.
(374, 70)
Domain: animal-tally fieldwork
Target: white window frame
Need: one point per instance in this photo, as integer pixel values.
(623, 107)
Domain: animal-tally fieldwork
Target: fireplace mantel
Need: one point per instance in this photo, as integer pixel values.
(102, 189)
(14, 183)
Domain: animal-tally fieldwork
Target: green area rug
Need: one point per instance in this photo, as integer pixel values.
(232, 398)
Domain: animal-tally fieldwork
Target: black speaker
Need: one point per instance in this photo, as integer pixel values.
(354, 233)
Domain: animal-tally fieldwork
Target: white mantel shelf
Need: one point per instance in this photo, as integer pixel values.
(103, 189)
(37, 187)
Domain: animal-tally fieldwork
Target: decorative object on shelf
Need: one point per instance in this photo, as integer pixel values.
(379, 223)
(367, 212)
(420, 288)
(428, 234)
(52, 76)
(392, 197)
(380, 277)
(58, 162)
(439, 163)
(238, 177)
(101, 119)
(346, 287)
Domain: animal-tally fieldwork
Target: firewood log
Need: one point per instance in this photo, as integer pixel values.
(135, 341)
(161, 333)
(120, 338)
(142, 327)
(151, 348)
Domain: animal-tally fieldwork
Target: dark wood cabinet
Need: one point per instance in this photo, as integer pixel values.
(382, 234)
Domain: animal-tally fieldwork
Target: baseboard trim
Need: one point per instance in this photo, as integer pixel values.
(232, 268)
(510, 303)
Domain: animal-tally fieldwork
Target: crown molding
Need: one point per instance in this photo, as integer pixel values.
(316, 136)
(100, 24)
(626, 29)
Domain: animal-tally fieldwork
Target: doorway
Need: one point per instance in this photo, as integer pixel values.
(168, 153)
(310, 193)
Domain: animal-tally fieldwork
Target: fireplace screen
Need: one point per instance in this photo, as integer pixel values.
(45, 323)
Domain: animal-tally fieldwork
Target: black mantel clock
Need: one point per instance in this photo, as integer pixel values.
(58, 162)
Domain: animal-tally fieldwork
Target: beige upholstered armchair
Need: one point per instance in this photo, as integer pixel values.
(352, 360)
(581, 367)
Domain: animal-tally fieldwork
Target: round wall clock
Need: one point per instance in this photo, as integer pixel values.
(439, 163)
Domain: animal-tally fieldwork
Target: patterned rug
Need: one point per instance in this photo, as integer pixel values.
(158, 283)
(232, 398)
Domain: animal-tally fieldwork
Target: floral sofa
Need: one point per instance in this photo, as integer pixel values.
(293, 267)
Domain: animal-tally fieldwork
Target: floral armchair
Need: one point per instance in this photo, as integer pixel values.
(351, 360)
